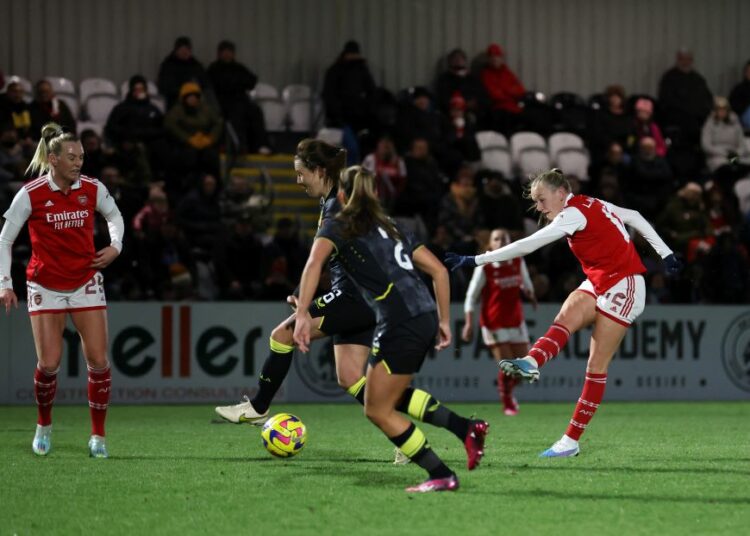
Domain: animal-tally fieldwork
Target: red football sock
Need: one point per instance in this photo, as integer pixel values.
(45, 386)
(591, 397)
(505, 385)
(550, 344)
(100, 381)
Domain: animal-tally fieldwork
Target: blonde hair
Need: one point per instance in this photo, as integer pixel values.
(553, 179)
(362, 210)
(51, 142)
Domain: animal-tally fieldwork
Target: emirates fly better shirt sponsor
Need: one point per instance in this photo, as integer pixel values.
(61, 227)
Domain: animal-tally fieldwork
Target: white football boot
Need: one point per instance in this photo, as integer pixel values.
(42, 443)
(242, 412)
(565, 447)
(98, 447)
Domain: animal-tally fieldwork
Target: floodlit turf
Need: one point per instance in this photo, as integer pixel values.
(659, 468)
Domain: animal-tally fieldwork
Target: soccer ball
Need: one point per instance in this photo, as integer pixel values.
(284, 435)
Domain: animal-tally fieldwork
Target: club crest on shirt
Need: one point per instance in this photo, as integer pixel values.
(83, 199)
(37, 299)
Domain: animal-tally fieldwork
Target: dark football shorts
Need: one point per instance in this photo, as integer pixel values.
(345, 317)
(402, 348)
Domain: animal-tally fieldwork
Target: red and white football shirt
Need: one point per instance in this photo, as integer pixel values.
(61, 227)
(500, 286)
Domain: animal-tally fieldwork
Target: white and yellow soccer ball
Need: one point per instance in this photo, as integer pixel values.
(284, 435)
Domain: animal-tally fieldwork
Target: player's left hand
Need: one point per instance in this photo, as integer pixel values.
(454, 261)
(104, 257)
(674, 265)
(302, 329)
(444, 335)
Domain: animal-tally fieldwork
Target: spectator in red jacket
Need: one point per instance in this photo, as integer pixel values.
(503, 87)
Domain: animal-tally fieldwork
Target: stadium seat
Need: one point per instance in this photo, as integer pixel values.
(296, 92)
(274, 113)
(531, 161)
(742, 191)
(574, 161)
(571, 112)
(300, 116)
(90, 125)
(298, 99)
(333, 136)
(98, 107)
(597, 101)
(72, 102)
(62, 86)
(264, 91)
(495, 152)
(96, 86)
(524, 140)
(158, 101)
(536, 114)
(563, 140)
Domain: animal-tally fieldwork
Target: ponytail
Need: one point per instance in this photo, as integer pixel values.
(51, 142)
(316, 154)
(362, 210)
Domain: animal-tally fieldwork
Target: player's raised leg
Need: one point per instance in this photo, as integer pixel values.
(47, 329)
(578, 311)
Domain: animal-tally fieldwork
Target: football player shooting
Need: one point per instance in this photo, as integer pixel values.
(611, 298)
(63, 274)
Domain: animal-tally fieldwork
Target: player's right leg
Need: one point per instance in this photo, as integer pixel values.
(384, 389)
(47, 329)
(272, 375)
(578, 311)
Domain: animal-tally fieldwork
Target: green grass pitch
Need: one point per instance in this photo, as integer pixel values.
(644, 468)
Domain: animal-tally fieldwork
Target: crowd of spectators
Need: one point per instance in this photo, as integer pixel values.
(676, 156)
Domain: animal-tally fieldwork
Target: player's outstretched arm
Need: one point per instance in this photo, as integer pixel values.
(8, 235)
(431, 265)
(321, 250)
(634, 219)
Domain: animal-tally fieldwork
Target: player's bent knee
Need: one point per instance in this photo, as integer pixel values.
(283, 335)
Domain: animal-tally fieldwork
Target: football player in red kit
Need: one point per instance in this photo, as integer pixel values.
(63, 274)
(611, 298)
(501, 319)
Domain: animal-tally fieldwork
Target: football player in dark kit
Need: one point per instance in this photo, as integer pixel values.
(341, 313)
(380, 260)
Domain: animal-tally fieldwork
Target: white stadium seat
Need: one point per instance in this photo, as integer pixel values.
(98, 107)
(531, 161)
(495, 152)
(264, 91)
(742, 191)
(274, 112)
(489, 139)
(574, 161)
(525, 140)
(296, 92)
(333, 136)
(300, 116)
(563, 140)
(61, 86)
(96, 86)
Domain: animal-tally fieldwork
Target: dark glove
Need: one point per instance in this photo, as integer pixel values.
(454, 261)
(674, 265)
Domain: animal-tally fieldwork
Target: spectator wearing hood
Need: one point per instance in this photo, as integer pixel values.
(504, 88)
(136, 126)
(348, 90)
(231, 81)
(195, 129)
(458, 78)
(177, 68)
